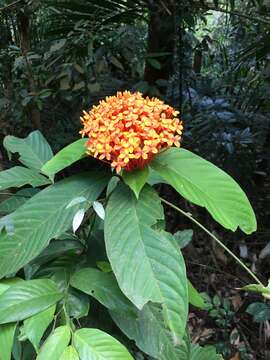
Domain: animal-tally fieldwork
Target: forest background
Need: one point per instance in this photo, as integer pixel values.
(211, 61)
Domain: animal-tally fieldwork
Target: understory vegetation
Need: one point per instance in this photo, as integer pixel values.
(82, 276)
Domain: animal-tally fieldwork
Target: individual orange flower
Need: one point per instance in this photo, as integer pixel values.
(128, 130)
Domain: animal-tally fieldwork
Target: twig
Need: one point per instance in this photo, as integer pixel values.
(10, 5)
(214, 238)
(215, 269)
(236, 13)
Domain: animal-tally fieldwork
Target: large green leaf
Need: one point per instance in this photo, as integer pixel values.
(153, 338)
(204, 184)
(27, 298)
(150, 333)
(34, 150)
(103, 287)
(55, 345)
(136, 179)
(7, 332)
(19, 176)
(65, 157)
(16, 200)
(45, 216)
(7, 283)
(94, 344)
(35, 326)
(146, 263)
(70, 353)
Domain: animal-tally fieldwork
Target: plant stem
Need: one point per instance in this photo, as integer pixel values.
(189, 216)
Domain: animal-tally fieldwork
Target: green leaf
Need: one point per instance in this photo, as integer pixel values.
(183, 238)
(17, 346)
(136, 179)
(44, 217)
(154, 178)
(154, 63)
(153, 338)
(204, 353)
(34, 150)
(97, 345)
(194, 297)
(204, 184)
(7, 283)
(55, 345)
(257, 288)
(65, 157)
(57, 248)
(146, 263)
(77, 304)
(16, 200)
(35, 326)
(56, 46)
(150, 333)
(7, 332)
(104, 266)
(70, 354)
(27, 298)
(99, 210)
(103, 287)
(111, 185)
(19, 176)
(260, 311)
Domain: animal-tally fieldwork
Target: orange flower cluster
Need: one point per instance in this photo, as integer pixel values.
(128, 129)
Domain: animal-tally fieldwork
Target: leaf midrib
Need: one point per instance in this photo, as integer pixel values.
(41, 224)
(144, 249)
(24, 302)
(33, 154)
(91, 347)
(199, 190)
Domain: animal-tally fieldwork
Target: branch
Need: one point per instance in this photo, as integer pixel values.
(214, 238)
(234, 13)
(6, 7)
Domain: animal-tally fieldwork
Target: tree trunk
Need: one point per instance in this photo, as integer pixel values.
(7, 73)
(161, 38)
(24, 27)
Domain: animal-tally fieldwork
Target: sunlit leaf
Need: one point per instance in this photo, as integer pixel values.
(35, 326)
(55, 345)
(27, 298)
(95, 344)
(70, 353)
(65, 157)
(194, 297)
(7, 332)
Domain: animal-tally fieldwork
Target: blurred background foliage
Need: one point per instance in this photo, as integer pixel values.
(210, 59)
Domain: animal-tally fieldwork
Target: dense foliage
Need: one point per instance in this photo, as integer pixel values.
(208, 60)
